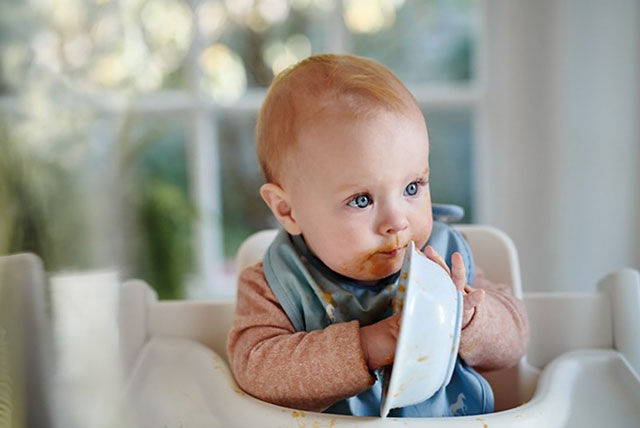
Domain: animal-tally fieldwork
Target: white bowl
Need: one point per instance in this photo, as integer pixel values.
(429, 335)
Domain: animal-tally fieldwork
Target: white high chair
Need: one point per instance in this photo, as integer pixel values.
(581, 368)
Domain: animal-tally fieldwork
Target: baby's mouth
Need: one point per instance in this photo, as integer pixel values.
(378, 263)
(391, 252)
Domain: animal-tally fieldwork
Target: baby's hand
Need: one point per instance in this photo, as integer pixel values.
(472, 296)
(379, 341)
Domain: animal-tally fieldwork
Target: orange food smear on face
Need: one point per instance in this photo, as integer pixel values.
(375, 264)
(379, 265)
(377, 269)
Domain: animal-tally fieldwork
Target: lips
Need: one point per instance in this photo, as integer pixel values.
(393, 252)
(390, 253)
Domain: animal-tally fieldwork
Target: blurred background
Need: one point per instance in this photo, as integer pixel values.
(127, 151)
(126, 126)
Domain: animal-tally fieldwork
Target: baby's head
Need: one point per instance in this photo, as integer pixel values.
(345, 153)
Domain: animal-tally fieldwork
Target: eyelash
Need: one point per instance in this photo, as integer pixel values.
(419, 182)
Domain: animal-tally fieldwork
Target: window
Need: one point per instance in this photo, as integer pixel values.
(127, 126)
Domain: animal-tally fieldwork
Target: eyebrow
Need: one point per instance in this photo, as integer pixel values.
(349, 186)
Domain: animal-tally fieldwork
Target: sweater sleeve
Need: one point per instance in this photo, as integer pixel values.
(273, 362)
(497, 334)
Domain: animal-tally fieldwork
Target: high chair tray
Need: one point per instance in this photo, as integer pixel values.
(177, 382)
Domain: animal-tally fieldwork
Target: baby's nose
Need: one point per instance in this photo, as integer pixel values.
(393, 222)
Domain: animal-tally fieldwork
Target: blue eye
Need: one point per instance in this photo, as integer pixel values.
(360, 201)
(411, 189)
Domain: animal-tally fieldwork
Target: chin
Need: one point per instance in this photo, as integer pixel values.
(377, 272)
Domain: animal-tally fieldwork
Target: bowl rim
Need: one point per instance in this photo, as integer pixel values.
(390, 384)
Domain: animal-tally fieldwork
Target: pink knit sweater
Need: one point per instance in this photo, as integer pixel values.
(313, 370)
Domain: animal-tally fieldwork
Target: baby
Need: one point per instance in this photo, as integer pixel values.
(345, 153)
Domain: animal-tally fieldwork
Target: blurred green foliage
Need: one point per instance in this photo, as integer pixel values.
(44, 207)
(39, 207)
(163, 211)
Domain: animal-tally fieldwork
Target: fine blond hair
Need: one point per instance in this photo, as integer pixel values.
(302, 92)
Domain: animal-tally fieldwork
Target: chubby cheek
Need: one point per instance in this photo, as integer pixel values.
(424, 226)
(421, 238)
(339, 249)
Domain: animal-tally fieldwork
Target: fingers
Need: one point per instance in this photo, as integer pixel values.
(378, 341)
(458, 272)
(434, 256)
(473, 298)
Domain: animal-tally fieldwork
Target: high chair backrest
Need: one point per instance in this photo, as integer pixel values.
(495, 253)
(559, 322)
(492, 250)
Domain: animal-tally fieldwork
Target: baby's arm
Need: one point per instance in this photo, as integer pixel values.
(497, 335)
(273, 362)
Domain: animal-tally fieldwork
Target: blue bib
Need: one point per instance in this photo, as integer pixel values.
(313, 297)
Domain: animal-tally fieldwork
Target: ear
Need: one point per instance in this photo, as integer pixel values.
(278, 201)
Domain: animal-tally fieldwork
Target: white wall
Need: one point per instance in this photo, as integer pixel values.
(559, 153)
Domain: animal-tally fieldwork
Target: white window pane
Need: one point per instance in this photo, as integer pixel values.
(17, 24)
(422, 41)
(268, 39)
(451, 157)
(244, 212)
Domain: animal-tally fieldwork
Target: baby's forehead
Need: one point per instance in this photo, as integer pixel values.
(359, 146)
